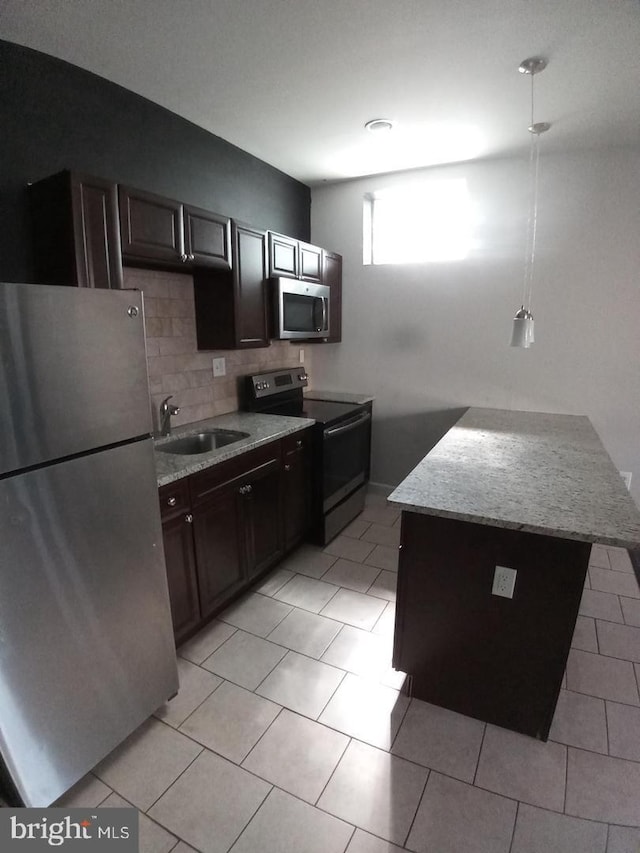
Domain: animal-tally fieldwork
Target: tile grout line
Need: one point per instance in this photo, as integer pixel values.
(277, 716)
(208, 696)
(566, 779)
(332, 774)
(606, 727)
(475, 772)
(194, 759)
(262, 802)
(513, 828)
(415, 814)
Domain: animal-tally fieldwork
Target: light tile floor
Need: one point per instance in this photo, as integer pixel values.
(290, 733)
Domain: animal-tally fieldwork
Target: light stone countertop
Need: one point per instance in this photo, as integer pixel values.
(261, 428)
(530, 471)
(339, 397)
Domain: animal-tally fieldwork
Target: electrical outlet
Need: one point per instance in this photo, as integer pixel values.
(504, 581)
(219, 366)
(626, 476)
(301, 356)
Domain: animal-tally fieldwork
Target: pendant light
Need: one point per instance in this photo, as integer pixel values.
(522, 334)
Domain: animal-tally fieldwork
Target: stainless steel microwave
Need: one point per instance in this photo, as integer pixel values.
(301, 309)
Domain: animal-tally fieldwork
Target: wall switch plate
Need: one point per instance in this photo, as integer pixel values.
(504, 581)
(626, 476)
(219, 366)
(302, 359)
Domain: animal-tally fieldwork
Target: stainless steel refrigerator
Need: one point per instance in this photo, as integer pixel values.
(86, 642)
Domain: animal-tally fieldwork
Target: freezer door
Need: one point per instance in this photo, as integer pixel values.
(73, 372)
(86, 641)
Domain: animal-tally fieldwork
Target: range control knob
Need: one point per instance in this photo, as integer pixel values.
(302, 377)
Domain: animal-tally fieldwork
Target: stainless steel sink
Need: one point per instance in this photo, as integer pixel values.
(202, 442)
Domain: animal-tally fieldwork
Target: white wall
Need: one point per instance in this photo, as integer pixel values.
(429, 339)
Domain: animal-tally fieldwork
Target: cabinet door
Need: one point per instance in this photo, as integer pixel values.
(217, 535)
(231, 306)
(296, 478)
(179, 554)
(75, 231)
(250, 286)
(310, 263)
(283, 256)
(332, 276)
(151, 227)
(207, 238)
(261, 517)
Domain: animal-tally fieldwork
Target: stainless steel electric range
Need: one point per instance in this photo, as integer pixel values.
(341, 445)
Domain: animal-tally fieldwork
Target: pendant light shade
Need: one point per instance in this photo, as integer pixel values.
(522, 334)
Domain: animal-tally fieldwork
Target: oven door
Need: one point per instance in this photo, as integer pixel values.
(346, 450)
(301, 309)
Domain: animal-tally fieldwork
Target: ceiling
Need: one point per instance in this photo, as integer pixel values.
(294, 81)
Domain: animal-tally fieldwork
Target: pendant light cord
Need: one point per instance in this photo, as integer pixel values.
(532, 222)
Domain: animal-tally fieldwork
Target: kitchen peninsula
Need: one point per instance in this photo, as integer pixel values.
(528, 491)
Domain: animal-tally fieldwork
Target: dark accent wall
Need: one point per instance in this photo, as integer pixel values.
(56, 116)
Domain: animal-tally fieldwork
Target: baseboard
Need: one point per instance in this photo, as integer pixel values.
(379, 489)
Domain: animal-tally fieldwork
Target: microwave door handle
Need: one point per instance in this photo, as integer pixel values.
(325, 302)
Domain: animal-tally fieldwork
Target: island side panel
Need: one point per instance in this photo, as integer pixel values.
(497, 659)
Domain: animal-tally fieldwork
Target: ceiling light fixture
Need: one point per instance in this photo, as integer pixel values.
(379, 125)
(522, 334)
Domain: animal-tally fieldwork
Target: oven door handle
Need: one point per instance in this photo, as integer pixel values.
(325, 324)
(354, 424)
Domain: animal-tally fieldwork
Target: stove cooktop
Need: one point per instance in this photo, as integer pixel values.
(322, 411)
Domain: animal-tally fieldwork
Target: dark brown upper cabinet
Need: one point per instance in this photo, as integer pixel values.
(207, 238)
(151, 227)
(168, 233)
(231, 305)
(309, 262)
(332, 276)
(283, 256)
(294, 259)
(75, 231)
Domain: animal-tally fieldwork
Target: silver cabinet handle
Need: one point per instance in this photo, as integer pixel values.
(184, 258)
(298, 443)
(192, 257)
(171, 502)
(244, 490)
(249, 488)
(188, 518)
(287, 467)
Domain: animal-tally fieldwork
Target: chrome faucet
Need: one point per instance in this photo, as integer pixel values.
(166, 410)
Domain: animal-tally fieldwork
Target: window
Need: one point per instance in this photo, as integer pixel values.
(429, 221)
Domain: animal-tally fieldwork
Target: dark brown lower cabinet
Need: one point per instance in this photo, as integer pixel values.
(500, 660)
(260, 517)
(218, 541)
(225, 526)
(296, 467)
(179, 552)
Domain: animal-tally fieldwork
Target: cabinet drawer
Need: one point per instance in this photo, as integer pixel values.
(206, 482)
(174, 498)
(296, 441)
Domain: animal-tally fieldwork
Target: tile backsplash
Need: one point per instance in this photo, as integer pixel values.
(177, 367)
